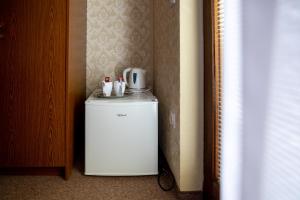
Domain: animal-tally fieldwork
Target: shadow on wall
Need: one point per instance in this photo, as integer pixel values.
(167, 80)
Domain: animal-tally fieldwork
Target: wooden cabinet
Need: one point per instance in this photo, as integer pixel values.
(42, 73)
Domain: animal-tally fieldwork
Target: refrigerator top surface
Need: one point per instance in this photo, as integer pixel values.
(145, 97)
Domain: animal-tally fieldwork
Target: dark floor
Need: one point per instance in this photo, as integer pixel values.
(86, 187)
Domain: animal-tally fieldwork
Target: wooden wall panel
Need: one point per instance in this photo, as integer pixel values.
(76, 80)
(32, 74)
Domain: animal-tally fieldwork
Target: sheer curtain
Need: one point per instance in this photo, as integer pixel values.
(261, 117)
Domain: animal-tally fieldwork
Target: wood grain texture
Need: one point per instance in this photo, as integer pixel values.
(75, 80)
(211, 186)
(32, 74)
(42, 60)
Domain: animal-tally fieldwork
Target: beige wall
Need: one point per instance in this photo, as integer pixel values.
(178, 84)
(167, 80)
(119, 34)
(191, 96)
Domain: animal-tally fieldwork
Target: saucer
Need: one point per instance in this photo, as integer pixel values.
(133, 90)
(100, 94)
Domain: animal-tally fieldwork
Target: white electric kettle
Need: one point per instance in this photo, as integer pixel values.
(136, 79)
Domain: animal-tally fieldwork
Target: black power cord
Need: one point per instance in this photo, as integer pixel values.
(165, 179)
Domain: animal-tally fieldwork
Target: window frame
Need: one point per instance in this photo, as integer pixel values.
(211, 186)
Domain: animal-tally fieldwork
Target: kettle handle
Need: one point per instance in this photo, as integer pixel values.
(125, 75)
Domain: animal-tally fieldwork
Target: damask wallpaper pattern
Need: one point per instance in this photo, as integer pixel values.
(167, 79)
(122, 33)
(119, 35)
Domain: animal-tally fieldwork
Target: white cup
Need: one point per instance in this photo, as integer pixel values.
(119, 88)
(106, 88)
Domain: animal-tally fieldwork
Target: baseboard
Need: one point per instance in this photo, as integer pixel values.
(32, 171)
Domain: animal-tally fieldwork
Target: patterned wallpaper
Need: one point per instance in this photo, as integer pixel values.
(166, 79)
(119, 34)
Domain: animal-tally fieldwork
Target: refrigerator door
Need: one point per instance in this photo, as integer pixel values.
(121, 139)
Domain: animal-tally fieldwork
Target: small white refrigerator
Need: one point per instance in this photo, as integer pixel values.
(121, 135)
